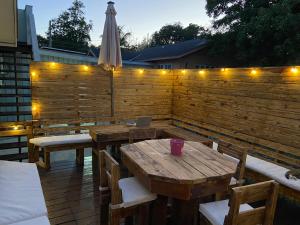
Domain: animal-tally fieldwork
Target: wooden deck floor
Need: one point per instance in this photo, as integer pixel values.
(72, 197)
(71, 193)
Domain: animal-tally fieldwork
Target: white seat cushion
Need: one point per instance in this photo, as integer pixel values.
(272, 171)
(233, 181)
(134, 193)
(63, 139)
(36, 221)
(215, 212)
(21, 195)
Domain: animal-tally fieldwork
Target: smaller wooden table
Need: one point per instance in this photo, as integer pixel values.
(199, 172)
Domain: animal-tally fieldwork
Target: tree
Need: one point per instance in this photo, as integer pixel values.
(70, 30)
(261, 32)
(125, 37)
(172, 33)
(42, 41)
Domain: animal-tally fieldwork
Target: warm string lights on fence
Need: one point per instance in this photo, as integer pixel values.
(163, 72)
(140, 71)
(294, 70)
(183, 71)
(202, 73)
(224, 69)
(85, 68)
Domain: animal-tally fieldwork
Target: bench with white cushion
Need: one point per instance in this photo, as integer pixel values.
(61, 140)
(21, 196)
(59, 143)
(272, 171)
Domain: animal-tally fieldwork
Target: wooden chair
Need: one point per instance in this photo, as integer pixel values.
(237, 153)
(128, 196)
(139, 134)
(236, 211)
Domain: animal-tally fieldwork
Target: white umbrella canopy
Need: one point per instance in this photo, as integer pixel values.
(110, 51)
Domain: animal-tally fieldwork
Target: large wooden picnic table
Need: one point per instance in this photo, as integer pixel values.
(199, 172)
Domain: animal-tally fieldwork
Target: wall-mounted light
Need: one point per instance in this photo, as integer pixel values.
(294, 70)
(201, 72)
(33, 74)
(253, 72)
(85, 68)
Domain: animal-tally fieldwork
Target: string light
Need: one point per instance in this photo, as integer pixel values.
(33, 74)
(86, 68)
(163, 72)
(53, 64)
(202, 72)
(224, 69)
(15, 127)
(253, 72)
(34, 107)
(141, 71)
(294, 70)
(183, 71)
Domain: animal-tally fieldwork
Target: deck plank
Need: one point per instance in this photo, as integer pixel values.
(71, 193)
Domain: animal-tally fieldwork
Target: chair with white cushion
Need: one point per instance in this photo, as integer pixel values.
(128, 195)
(236, 153)
(237, 211)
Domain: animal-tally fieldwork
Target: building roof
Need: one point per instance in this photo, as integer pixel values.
(126, 54)
(173, 51)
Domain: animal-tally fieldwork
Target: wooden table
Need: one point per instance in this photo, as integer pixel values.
(199, 172)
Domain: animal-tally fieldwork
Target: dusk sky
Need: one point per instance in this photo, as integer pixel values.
(141, 17)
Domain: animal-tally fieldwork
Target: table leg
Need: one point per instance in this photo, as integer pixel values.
(159, 211)
(185, 212)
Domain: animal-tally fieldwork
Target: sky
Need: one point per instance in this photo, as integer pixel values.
(140, 17)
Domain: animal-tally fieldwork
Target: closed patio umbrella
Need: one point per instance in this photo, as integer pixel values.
(110, 51)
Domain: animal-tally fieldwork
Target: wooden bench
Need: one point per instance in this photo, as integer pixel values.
(260, 170)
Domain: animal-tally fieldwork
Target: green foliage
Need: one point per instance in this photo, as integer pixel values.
(125, 38)
(42, 41)
(70, 30)
(170, 34)
(256, 32)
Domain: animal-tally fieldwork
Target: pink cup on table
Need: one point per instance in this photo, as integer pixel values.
(176, 146)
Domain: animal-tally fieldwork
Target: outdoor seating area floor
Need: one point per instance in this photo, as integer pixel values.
(72, 196)
(71, 193)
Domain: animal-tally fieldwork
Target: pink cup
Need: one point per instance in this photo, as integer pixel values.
(176, 146)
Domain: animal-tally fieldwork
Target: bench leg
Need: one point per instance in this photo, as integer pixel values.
(46, 159)
(33, 154)
(46, 163)
(80, 156)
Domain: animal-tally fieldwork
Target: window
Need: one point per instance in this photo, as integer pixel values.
(165, 66)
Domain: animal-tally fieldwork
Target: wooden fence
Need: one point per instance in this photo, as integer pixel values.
(257, 108)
